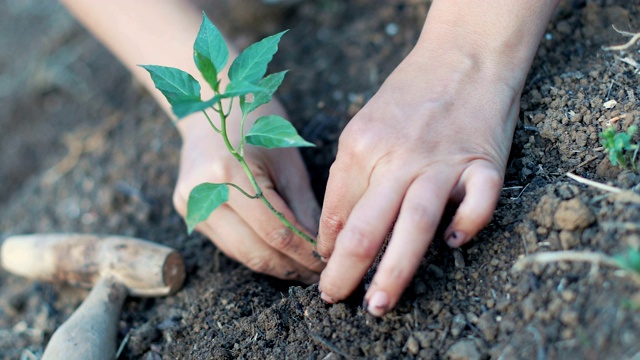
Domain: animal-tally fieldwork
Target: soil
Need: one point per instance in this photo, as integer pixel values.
(84, 149)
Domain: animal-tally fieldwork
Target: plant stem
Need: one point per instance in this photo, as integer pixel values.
(252, 179)
(242, 191)
(241, 146)
(278, 214)
(634, 164)
(211, 122)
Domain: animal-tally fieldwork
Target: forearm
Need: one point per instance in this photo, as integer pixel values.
(499, 36)
(146, 32)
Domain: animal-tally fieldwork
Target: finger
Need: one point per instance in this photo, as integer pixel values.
(291, 181)
(482, 184)
(359, 243)
(420, 214)
(268, 227)
(234, 237)
(344, 188)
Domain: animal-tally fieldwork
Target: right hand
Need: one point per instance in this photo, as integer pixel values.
(244, 229)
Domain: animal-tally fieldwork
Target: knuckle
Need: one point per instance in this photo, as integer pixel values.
(494, 179)
(260, 264)
(353, 142)
(222, 171)
(280, 238)
(330, 226)
(358, 243)
(422, 215)
(397, 274)
(324, 249)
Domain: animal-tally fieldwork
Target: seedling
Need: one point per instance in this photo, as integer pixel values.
(247, 77)
(630, 260)
(622, 152)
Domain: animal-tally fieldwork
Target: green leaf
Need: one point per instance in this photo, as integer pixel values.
(270, 84)
(273, 131)
(251, 64)
(622, 141)
(208, 71)
(630, 260)
(176, 85)
(211, 45)
(203, 199)
(241, 88)
(186, 108)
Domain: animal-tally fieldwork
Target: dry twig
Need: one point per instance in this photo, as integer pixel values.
(594, 184)
(634, 37)
(593, 258)
(77, 145)
(324, 342)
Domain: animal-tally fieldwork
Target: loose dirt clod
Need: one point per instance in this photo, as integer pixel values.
(464, 349)
(573, 215)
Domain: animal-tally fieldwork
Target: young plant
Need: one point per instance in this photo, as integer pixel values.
(622, 152)
(630, 260)
(246, 77)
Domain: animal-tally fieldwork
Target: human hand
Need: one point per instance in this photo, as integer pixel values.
(244, 228)
(437, 131)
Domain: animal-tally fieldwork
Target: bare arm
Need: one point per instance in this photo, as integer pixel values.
(163, 33)
(146, 32)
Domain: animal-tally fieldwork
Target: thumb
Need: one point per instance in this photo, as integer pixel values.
(291, 181)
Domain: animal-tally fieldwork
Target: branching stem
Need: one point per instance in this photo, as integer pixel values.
(238, 154)
(215, 128)
(242, 191)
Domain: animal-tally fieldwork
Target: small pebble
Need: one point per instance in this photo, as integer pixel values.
(458, 258)
(458, 324)
(491, 303)
(412, 345)
(472, 318)
(391, 29)
(568, 295)
(464, 349)
(488, 326)
(569, 317)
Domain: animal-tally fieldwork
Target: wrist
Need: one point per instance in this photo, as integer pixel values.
(498, 39)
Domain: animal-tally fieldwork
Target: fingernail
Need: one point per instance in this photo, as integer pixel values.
(378, 304)
(323, 259)
(456, 239)
(327, 298)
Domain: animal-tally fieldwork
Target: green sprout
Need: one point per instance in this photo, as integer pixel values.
(622, 152)
(629, 260)
(247, 77)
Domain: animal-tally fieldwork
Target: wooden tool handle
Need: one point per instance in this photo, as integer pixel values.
(90, 333)
(145, 268)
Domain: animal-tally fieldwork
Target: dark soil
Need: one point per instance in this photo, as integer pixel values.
(83, 149)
